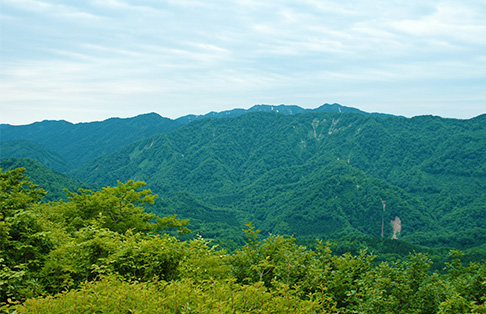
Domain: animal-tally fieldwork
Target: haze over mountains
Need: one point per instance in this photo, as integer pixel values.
(331, 172)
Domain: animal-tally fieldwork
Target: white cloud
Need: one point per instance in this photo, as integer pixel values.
(454, 21)
(43, 7)
(30, 5)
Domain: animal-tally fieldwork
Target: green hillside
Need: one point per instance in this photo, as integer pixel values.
(34, 151)
(320, 174)
(80, 143)
(51, 181)
(70, 146)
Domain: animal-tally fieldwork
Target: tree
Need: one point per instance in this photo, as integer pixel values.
(17, 193)
(24, 239)
(116, 208)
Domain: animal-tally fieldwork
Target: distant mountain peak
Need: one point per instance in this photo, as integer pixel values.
(338, 108)
(284, 109)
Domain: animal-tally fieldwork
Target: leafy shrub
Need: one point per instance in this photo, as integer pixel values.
(112, 294)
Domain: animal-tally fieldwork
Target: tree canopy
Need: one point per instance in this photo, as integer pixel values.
(100, 252)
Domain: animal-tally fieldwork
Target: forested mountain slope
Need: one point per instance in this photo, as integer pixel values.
(80, 143)
(51, 181)
(75, 144)
(320, 174)
(34, 151)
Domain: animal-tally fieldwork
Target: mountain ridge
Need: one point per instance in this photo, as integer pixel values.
(282, 108)
(98, 138)
(277, 170)
(285, 109)
(329, 171)
(92, 138)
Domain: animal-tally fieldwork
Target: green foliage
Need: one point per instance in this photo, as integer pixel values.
(401, 287)
(202, 261)
(275, 259)
(92, 252)
(171, 222)
(23, 242)
(338, 275)
(49, 247)
(115, 295)
(54, 263)
(17, 193)
(114, 208)
(469, 283)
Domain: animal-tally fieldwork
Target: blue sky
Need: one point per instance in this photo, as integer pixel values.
(91, 60)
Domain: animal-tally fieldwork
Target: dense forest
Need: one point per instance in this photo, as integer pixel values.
(358, 212)
(100, 251)
(64, 146)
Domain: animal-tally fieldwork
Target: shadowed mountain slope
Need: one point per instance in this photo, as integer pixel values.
(80, 143)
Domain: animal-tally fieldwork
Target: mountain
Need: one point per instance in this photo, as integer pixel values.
(328, 172)
(51, 181)
(285, 109)
(318, 174)
(76, 144)
(80, 143)
(34, 151)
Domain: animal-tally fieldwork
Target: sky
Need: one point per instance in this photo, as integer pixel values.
(90, 60)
